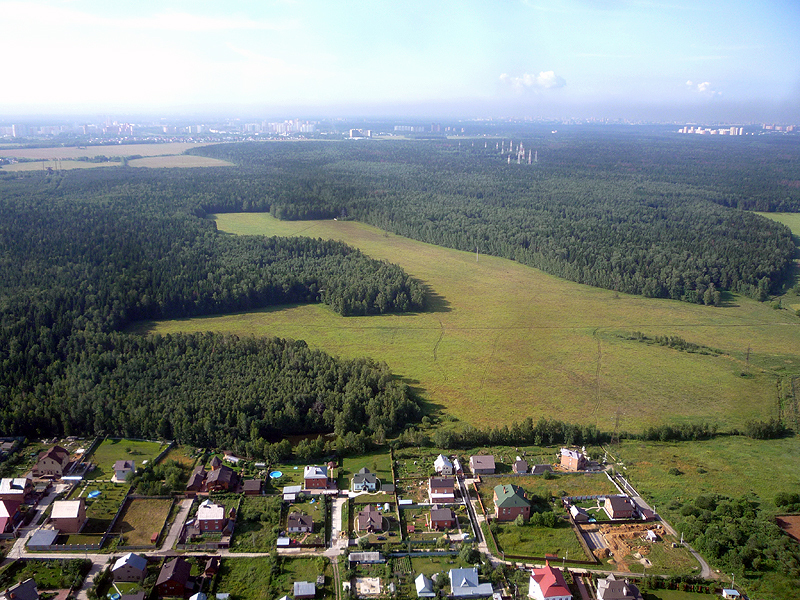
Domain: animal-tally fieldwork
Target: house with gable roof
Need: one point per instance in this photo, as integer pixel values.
(130, 567)
(24, 590)
(299, 523)
(464, 584)
(619, 507)
(482, 465)
(442, 465)
(510, 502)
(573, 460)
(315, 477)
(548, 583)
(211, 517)
(52, 463)
(441, 489)
(123, 468)
(173, 579)
(424, 587)
(364, 480)
(611, 588)
(369, 520)
(304, 589)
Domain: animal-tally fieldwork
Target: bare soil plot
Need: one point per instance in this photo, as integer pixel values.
(791, 525)
(91, 151)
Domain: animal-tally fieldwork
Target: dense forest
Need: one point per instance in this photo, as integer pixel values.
(623, 214)
(82, 256)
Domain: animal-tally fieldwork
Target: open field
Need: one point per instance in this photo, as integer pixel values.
(504, 341)
(178, 160)
(65, 164)
(538, 542)
(91, 151)
(732, 466)
(142, 518)
(112, 450)
(248, 578)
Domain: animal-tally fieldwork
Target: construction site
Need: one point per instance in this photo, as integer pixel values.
(624, 544)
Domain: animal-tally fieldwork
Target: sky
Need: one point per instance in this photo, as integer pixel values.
(691, 60)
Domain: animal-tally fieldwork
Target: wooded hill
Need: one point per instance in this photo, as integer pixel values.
(637, 215)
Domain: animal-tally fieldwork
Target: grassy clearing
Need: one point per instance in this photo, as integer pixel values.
(792, 221)
(562, 484)
(247, 578)
(178, 160)
(731, 466)
(112, 450)
(65, 164)
(50, 574)
(142, 518)
(91, 151)
(101, 510)
(182, 455)
(499, 331)
(538, 542)
(378, 462)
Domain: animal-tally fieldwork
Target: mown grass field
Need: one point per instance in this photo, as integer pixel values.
(178, 160)
(504, 341)
(91, 151)
(248, 578)
(792, 221)
(65, 164)
(141, 519)
(729, 465)
(112, 450)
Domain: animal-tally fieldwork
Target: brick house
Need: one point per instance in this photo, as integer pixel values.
(9, 515)
(16, 489)
(573, 460)
(510, 502)
(619, 507)
(315, 477)
(68, 516)
(441, 489)
(173, 580)
(442, 518)
(51, 463)
(211, 517)
(369, 520)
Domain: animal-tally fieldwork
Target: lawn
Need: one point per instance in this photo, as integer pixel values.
(538, 542)
(499, 331)
(112, 450)
(183, 455)
(142, 517)
(378, 462)
(252, 578)
(51, 574)
(257, 524)
(315, 508)
(728, 465)
(101, 510)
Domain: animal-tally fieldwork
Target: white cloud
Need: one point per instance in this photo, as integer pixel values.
(704, 88)
(545, 80)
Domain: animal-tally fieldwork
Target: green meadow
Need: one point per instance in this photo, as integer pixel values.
(503, 341)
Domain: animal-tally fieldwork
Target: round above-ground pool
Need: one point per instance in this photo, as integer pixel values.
(275, 474)
(93, 494)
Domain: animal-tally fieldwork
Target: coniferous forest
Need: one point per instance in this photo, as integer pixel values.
(85, 253)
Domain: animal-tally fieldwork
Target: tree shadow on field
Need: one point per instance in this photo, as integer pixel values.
(727, 300)
(435, 302)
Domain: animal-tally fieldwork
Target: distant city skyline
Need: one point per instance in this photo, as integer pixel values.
(704, 61)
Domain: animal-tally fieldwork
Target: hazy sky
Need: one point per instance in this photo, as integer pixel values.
(681, 59)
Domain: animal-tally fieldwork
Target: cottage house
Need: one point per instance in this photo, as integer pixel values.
(24, 590)
(619, 507)
(541, 469)
(424, 587)
(196, 481)
(173, 580)
(123, 468)
(442, 465)
(252, 487)
(292, 492)
(365, 481)
(211, 517)
(52, 463)
(441, 490)
(216, 463)
(464, 584)
(442, 518)
(510, 502)
(68, 516)
(548, 583)
(520, 466)
(573, 460)
(482, 465)
(299, 523)
(130, 567)
(315, 477)
(579, 515)
(16, 489)
(304, 589)
(222, 479)
(212, 567)
(9, 515)
(369, 520)
(611, 588)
